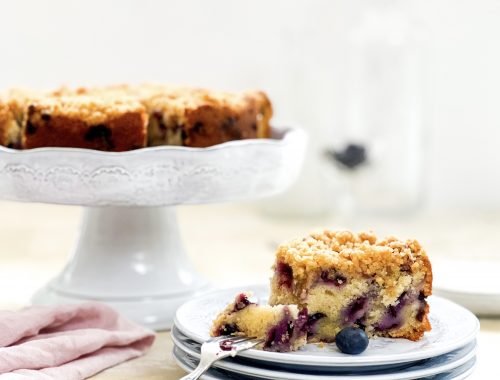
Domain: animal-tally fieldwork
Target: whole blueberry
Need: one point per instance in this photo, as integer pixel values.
(351, 156)
(351, 340)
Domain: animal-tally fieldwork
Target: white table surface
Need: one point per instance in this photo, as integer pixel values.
(35, 240)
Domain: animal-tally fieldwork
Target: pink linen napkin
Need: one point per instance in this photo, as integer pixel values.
(67, 342)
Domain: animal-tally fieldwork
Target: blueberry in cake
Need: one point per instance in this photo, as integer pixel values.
(351, 340)
(122, 117)
(346, 279)
(283, 327)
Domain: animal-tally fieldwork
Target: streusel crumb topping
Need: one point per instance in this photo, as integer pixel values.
(92, 110)
(352, 253)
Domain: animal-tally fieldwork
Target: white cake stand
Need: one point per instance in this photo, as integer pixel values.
(129, 253)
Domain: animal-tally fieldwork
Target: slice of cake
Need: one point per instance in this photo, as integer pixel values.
(9, 127)
(92, 122)
(14, 105)
(199, 118)
(283, 327)
(195, 117)
(348, 279)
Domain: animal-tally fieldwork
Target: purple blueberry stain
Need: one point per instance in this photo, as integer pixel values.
(30, 128)
(278, 338)
(100, 134)
(312, 323)
(284, 274)
(392, 318)
(300, 326)
(226, 345)
(356, 310)
(333, 277)
(228, 329)
(158, 115)
(301, 323)
(422, 308)
(421, 313)
(241, 302)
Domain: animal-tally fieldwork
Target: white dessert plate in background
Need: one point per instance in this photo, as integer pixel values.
(419, 369)
(452, 327)
(188, 363)
(473, 284)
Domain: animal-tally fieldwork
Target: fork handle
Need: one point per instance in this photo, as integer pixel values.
(197, 372)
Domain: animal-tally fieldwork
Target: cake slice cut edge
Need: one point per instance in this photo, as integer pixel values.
(346, 279)
(282, 327)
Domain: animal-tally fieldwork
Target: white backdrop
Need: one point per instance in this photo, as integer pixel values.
(292, 49)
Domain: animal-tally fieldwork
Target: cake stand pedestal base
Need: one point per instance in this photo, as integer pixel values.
(131, 258)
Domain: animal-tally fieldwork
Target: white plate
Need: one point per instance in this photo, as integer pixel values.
(452, 328)
(422, 368)
(193, 348)
(188, 363)
(480, 293)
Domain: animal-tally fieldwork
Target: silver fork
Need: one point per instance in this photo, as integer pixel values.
(220, 348)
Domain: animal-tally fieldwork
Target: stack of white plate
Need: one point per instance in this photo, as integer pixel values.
(446, 352)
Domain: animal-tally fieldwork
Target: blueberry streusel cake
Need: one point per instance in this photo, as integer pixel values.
(348, 279)
(122, 117)
(283, 327)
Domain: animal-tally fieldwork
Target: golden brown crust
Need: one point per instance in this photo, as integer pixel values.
(176, 115)
(85, 123)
